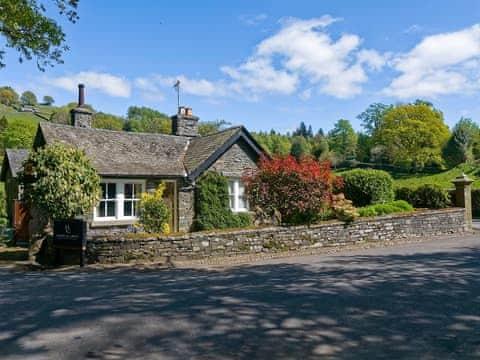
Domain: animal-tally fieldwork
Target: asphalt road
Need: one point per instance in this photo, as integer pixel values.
(414, 301)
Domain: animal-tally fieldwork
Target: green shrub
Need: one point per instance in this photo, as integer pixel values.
(476, 202)
(212, 210)
(404, 193)
(385, 209)
(431, 196)
(368, 186)
(153, 212)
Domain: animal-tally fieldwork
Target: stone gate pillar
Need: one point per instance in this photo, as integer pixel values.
(463, 196)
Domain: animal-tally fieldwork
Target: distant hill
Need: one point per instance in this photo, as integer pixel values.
(42, 113)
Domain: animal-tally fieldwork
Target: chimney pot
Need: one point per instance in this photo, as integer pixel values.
(181, 110)
(189, 111)
(81, 94)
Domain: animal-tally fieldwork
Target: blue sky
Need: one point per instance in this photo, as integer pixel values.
(267, 64)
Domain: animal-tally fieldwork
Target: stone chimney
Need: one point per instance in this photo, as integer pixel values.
(81, 116)
(185, 123)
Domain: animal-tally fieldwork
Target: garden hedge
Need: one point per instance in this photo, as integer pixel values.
(368, 186)
(429, 196)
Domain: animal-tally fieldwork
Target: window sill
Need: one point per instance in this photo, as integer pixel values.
(108, 223)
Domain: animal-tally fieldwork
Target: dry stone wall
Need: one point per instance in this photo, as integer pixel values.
(130, 247)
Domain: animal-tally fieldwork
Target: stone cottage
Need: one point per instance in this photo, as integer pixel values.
(130, 163)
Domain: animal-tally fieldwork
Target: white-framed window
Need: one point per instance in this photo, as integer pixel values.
(118, 200)
(237, 195)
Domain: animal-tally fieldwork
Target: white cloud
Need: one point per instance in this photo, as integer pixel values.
(440, 64)
(107, 83)
(253, 19)
(149, 90)
(198, 87)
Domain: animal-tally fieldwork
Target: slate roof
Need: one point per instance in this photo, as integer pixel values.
(120, 153)
(14, 159)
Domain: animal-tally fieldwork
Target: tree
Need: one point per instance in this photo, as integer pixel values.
(211, 127)
(153, 212)
(364, 147)
(60, 181)
(144, 119)
(320, 148)
(372, 116)
(8, 96)
(108, 122)
(48, 100)
(19, 134)
(412, 136)
(342, 139)
(274, 143)
(300, 147)
(459, 148)
(299, 191)
(28, 98)
(26, 27)
(61, 115)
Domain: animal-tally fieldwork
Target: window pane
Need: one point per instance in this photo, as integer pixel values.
(242, 202)
(101, 209)
(135, 208)
(241, 189)
(231, 202)
(231, 187)
(128, 191)
(104, 190)
(127, 208)
(112, 191)
(110, 208)
(138, 191)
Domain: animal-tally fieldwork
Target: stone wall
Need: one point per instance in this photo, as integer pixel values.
(272, 239)
(235, 160)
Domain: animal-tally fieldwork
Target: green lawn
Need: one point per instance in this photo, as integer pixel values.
(443, 179)
(11, 114)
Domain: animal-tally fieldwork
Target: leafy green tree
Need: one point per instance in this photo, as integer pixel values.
(459, 148)
(154, 212)
(342, 139)
(8, 96)
(364, 147)
(144, 119)
(3, 124)
(19, 134)
(412, 136)
(273, 143)
(28, 98)
(26, 27)
(61, 115)
(108, 122)
(211, 127)
(320, 149)
(48, 100)
(372, 116)
(60, 181)
(300, 148)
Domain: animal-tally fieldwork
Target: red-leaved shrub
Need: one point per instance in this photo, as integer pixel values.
(300, 191)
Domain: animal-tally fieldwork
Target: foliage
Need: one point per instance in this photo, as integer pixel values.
(367, 186)
(459, 148)
(300, 147)
(26, 27)
(300, 191)
(412, 135)
(211, 127)
(343, 209)
(108, 122)
(3, 206)
(19, 134)
(28, 98)
(60, 181)
(384, 209)
(364, 147)
(342, 139)
(61, 115)
(429, 196)
(303, 131)
(372, 117)
(144, 119)
(476, 202)
(8, 96)
(273, 143)
(48, 100)
(212, 210)
(153, 212)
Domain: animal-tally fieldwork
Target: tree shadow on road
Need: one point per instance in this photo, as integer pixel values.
(392, 306)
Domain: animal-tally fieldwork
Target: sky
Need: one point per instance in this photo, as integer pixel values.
(266, 64)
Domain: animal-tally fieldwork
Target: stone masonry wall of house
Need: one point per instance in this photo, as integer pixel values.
(274, 239)
(234, 162)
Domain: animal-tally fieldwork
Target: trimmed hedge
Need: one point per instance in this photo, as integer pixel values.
(429, 196)
(212, 210)
(368, 186)
(397, 206)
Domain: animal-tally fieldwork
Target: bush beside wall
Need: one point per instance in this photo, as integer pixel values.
(212, 210)
(428, 196)
(367, 186)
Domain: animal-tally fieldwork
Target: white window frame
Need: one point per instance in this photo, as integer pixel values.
(119, 199)
(236, 195)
